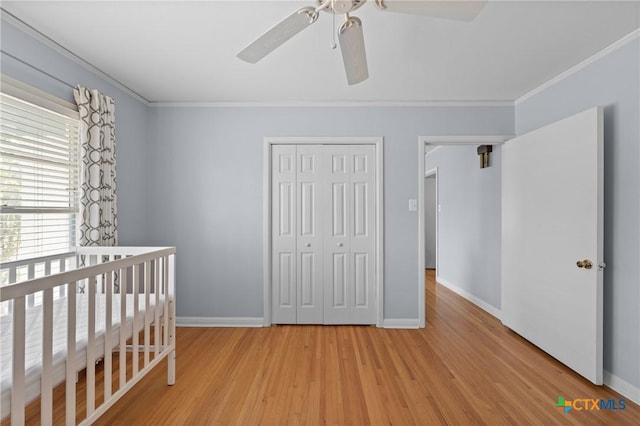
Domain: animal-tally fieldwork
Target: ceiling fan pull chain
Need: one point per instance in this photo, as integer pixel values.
(333, 29)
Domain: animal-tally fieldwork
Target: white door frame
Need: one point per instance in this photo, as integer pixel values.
(266, 212)
(423, 141)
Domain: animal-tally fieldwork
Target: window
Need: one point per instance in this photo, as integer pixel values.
(39, 174)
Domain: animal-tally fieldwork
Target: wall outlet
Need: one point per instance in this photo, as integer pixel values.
(413, 205)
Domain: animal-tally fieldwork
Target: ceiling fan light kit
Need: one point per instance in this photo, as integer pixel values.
(350, 34)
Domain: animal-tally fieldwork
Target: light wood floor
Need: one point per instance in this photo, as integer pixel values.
(463, 368)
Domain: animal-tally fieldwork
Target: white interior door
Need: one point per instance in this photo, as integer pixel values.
(552, 229)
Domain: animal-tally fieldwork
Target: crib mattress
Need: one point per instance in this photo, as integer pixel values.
(33, 338)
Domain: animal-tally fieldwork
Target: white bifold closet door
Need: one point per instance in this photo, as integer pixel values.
(323, 234)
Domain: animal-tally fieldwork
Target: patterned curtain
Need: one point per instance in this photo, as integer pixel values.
(99, 213)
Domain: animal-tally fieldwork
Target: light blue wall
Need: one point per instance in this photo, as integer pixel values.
(206, 192)
(430, 208)
(614, 83)
(30, 61)
(469, 232)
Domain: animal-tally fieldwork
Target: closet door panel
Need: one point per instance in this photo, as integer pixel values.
(283, 229)
(339, 280)
(308, 209)
(337, 210)
(310, 299)
(360, 209)
(286, 279)
(361, 279)
(362, 235)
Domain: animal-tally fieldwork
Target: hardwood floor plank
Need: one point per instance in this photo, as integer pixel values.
(463, 368)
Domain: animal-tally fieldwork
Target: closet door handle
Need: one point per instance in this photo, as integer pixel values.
(307, 245)
(340, 244)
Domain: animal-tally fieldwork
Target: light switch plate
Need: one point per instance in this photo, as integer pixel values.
(413, 205)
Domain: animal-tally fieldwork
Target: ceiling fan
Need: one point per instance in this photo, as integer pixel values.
(350, 33)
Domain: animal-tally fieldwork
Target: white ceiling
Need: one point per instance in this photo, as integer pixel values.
(184, 51)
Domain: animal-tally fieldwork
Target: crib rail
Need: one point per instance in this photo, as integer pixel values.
(146, 273)
(28, 269)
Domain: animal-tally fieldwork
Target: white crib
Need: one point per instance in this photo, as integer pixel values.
(63, 314)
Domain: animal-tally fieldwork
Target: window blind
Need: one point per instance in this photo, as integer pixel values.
(39, 179)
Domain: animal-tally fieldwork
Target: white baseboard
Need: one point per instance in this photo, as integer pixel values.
(401, 323)
(471, 298)
(621, 386)
(219, 322)
(259, 322)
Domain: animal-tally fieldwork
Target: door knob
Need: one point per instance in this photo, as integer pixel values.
(307, 245)
(340, 244)
(586, 264)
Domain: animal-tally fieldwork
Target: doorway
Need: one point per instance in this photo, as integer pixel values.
(430, 234)
(425, 144)
(326, 193)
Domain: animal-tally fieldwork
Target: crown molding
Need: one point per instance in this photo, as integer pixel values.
(58, 48)
(576, 68)
(307, 104)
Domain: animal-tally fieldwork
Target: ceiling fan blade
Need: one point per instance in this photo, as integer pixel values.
(354, 55)
(276, 36)
(460, 10)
